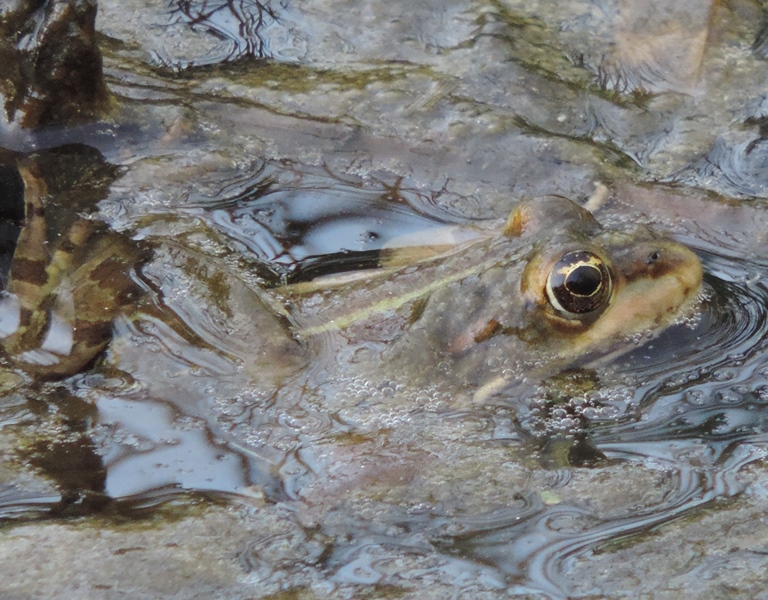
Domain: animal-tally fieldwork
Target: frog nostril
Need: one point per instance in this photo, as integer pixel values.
(653, 257)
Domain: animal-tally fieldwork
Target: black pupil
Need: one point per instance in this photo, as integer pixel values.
(584, 280)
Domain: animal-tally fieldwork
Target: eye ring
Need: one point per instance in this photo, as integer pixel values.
(579, 284)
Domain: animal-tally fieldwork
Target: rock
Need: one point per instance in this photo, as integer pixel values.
(50, 64)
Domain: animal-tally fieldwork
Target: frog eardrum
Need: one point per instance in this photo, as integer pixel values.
(579, 283)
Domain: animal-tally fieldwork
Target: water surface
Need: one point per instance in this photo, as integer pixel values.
(260, 144)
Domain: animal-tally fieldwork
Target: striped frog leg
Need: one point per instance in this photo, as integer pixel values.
(34, 273)
(67, 298)
(103, 288)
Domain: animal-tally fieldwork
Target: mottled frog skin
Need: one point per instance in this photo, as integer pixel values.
(551, 290)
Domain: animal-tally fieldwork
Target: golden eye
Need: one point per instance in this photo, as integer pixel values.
(579, 283)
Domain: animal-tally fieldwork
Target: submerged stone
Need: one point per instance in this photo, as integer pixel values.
(50, 63)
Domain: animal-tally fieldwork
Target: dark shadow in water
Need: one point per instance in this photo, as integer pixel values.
(71, 459)
(11, 216)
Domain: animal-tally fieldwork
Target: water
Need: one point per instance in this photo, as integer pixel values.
(319, 223)
(253, 145)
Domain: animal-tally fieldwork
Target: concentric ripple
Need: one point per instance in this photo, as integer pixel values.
(713, 388)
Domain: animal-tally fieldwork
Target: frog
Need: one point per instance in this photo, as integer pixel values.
(64, 288)
(547, 290)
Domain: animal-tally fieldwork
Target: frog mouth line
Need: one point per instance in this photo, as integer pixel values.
(598, 358)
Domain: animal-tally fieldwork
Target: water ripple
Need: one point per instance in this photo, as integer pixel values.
(732, 167)
(729, 330)
(706, 382)
(241, 28)
(23, 504)
(302, 222)
(536, 551)
(694, 409)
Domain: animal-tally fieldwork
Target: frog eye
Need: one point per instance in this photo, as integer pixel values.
(579, 283)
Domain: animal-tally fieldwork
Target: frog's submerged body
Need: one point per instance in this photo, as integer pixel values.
(552, 288)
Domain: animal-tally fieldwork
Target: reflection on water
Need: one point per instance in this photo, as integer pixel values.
(241, 23)
(246, 29)
(156, 450)
(316, 224)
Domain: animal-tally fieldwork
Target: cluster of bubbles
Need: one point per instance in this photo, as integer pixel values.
(568, 413)
(373, 404)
